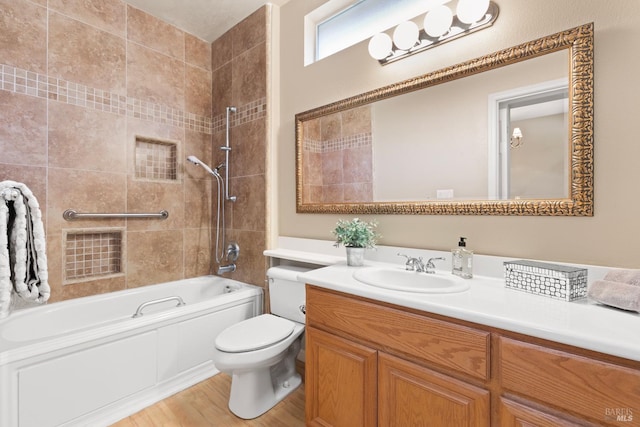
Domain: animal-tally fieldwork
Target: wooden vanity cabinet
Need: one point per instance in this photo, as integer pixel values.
(370, 363)
(340, 381)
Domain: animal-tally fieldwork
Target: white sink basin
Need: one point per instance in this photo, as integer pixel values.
(399, 279)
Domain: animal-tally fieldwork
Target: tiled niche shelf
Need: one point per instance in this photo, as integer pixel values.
(156, 160)
(92, 254)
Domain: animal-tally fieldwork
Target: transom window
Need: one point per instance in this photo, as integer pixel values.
(339, 24)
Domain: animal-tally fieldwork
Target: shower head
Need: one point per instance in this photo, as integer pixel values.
(196, 161)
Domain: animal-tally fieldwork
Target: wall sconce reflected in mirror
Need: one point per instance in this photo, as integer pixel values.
(516, 138)
(439, 26)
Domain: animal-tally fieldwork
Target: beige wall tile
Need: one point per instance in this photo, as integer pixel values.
(23, 129)
(149, 196)
(87, 139)
(154, 77)
(199, 207)
(333, 193)
(107, 15)
(356, 121)
(83, 54)
(315, 169)
(23, 43)
(357, 164)
(91, 287)
(332, 164)
(84, 191)
(249, 75)
(154, 257)
(311, 130)
(221, 51)
(197, 252)
(199, 145)
(251, 265)
(197, 52)
(358, 192)
(153, 33)
(248, 149)
(221, 89)
(250, 32)
(197, 95)
(249, 209)
(331, 127)
(91, 153)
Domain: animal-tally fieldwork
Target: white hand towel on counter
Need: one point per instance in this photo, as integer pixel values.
(620, 288)
(23, 259)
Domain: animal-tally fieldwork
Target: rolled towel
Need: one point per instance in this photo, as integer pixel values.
(615, 294)
(632, 277)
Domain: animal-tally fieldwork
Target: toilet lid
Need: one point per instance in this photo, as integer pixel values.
(254, 334)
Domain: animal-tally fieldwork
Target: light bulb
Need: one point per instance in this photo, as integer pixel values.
(405, 36)
(438, 21)
(470, 11)
(380, 46)
(517, 133)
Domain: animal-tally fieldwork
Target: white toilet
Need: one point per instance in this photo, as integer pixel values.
(260, 353)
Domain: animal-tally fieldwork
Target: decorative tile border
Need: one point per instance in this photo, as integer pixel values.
(254, 110)
(337, 144)
(21, 81)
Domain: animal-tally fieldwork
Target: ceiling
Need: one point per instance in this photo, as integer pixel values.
(206, 19)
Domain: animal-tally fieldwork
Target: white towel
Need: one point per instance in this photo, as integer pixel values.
(23, 259)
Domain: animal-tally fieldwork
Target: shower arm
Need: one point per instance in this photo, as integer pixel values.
(227, 148)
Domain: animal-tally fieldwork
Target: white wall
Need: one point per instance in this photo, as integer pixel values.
(607, 238)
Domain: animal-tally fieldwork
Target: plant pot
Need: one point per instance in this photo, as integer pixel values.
(355, 257)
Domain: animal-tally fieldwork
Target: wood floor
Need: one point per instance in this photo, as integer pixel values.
(205, 404)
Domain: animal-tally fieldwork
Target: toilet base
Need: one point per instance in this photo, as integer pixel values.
(254, 393)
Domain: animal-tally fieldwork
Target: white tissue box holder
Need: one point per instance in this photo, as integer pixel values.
(550, 280)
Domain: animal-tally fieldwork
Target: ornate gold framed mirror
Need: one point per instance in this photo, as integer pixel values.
(408, 148)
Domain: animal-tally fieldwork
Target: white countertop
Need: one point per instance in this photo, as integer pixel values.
(488, 302)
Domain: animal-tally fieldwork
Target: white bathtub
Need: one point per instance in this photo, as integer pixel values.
(88, 362)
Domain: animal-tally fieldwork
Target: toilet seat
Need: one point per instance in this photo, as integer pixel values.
(254, 334)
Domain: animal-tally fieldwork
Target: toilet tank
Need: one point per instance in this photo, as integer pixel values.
(286, 293)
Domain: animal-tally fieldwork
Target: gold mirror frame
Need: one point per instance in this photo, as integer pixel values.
(579, 41)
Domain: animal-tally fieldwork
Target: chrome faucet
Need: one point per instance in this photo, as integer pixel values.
(229, 268)
(418, 264)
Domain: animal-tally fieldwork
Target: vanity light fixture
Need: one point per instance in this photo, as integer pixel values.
(516, 138)
(439, 26)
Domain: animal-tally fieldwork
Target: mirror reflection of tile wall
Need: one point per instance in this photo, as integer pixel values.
(338, 158)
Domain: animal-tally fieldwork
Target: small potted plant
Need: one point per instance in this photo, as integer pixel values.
(356, 235)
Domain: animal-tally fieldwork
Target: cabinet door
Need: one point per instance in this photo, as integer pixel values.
(514, 414)
(341, 381)
(411, 395)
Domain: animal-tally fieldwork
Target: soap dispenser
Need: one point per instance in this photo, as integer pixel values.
(462, 260)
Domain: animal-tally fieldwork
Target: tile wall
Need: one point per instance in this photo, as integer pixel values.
(338, 158)
(80, 82)
(239, 67)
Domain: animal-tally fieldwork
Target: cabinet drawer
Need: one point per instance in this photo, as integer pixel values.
(456, 347)
(513, 414)
(595, 389)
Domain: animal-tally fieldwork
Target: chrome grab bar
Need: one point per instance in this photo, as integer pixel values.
(70, 215)
(144, 305)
